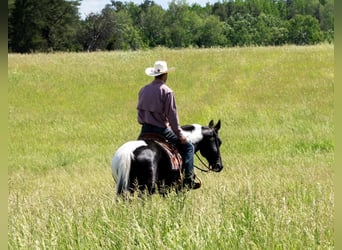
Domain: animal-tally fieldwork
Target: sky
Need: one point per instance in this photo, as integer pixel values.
(88, 6)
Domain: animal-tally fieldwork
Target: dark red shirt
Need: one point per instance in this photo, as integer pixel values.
(157, 106)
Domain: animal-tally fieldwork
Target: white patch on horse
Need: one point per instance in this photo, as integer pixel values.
(195, 135)
(122, 160)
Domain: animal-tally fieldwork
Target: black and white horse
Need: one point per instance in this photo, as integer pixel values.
(144, 165)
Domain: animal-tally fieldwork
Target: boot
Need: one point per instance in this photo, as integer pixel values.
(190, 183)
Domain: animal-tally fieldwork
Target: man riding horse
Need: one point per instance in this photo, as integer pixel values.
(157, 113)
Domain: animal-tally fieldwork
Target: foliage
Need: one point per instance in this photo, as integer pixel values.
(43, 25)
(304, 30)
(212, 32)
(46, 25)
(96, 30)
(69, 112)
(151, 24)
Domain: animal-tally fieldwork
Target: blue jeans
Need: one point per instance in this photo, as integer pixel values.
(186, 150)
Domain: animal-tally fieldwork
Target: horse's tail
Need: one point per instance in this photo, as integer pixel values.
(121, 164)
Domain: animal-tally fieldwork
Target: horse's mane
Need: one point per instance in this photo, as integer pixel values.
(188, 128)
(193, 132)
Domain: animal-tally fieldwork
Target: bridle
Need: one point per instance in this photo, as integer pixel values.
(203, 163)
(207, 167)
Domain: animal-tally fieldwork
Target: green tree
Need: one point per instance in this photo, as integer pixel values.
(97, 29)
(42, 25)
(270, 30)
(327, 20)
(304, 30)
(302, 7)
(242, 30)
(181, 25)
(25, 33)
(221, 10)
(327, 16)
(213, 32)
(10, 5)
(61, 23)
(125, 35)
(113, 29)
(152, 25)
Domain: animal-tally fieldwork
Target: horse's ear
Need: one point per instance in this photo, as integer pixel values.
(218, 125)
(211, 124)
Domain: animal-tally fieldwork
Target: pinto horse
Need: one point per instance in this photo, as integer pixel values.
(144, 165)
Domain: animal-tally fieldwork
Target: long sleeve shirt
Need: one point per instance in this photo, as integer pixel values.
(157, 106)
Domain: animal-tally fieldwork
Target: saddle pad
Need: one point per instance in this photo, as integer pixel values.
(175, 158)
(171, 150)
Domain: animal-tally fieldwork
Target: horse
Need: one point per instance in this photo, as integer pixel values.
(143, 165)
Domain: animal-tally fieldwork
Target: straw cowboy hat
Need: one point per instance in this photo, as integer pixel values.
(160, 67)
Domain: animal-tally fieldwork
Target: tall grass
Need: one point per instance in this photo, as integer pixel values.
(69, 112)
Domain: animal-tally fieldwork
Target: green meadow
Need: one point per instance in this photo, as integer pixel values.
(69, 112)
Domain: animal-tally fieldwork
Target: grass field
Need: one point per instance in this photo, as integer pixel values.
(69, 112)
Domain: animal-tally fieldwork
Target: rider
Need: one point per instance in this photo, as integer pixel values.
(157, 113)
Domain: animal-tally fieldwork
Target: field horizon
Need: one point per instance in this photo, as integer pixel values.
(69, 112)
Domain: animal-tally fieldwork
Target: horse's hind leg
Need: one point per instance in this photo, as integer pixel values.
(147, 185)
(144, 173)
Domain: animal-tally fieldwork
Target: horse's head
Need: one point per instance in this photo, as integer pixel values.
(207, 141)
(209, 146)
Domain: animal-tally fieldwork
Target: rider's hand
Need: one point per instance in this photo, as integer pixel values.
(183, 139)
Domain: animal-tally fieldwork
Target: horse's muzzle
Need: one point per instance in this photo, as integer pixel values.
(217, 167)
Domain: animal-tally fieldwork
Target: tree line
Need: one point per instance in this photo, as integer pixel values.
(56, 25)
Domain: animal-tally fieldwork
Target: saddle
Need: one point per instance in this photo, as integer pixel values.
(170, 149)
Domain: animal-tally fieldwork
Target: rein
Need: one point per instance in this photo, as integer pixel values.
(208, 168)
(203, 163)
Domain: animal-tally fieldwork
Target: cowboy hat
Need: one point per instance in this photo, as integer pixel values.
(160, 67)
